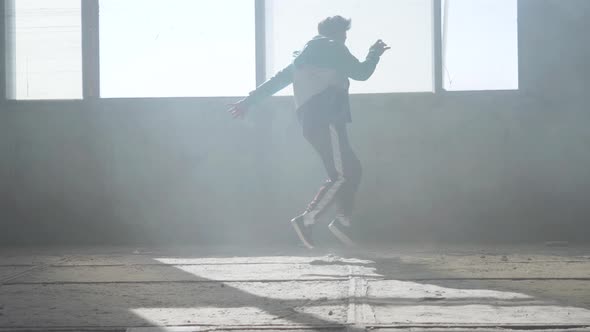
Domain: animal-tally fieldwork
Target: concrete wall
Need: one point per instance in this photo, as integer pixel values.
(490, 166)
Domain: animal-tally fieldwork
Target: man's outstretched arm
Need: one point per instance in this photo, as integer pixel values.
(276, 83)
(281, 80)
(361, 71)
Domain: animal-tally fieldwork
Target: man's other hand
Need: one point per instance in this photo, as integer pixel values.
(238, 110)
(379, 47)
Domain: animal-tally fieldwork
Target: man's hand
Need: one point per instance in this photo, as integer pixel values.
(379, 48)
(238, 110)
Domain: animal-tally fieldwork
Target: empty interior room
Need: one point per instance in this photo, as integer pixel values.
(294, 165)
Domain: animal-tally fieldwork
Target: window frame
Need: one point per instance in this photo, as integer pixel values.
(3, 44)
(91, 55)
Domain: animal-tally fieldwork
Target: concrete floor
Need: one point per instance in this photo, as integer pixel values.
(382, 289)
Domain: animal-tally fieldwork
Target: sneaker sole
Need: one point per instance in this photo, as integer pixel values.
(300, 235)
(340, 236)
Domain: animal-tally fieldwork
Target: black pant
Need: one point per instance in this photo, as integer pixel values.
(324, 126)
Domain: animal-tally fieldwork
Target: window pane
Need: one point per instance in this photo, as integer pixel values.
(406, 25)
(176, 48)
(480, 44)
(45, 52)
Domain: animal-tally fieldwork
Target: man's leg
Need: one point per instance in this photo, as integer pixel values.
(323, 137)
(352, 173)
(326, 140)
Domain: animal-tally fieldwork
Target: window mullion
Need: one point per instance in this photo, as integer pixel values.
(3, 52)
(438, 46)
(7, 60)
(260, 36)
(90, 49)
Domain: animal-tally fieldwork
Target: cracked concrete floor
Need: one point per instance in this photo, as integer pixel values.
(382, 289)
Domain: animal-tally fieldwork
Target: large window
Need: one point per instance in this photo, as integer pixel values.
(208, 48)
(406, 25)
(480, 44)
(177, 48)
(44, 52)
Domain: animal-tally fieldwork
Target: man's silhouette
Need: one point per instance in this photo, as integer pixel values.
(320, 75)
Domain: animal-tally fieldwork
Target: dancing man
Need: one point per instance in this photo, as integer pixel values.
(320, 76)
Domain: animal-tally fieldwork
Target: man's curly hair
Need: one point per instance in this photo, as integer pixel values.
(333, 26)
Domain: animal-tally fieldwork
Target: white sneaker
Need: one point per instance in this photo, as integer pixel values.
(302, 227)
(340, 227)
